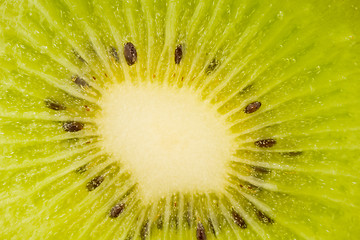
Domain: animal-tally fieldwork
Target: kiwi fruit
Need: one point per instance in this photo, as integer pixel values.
(223, 119)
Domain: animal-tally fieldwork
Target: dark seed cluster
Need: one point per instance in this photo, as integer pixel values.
(81, 169)
(252, 107)
(178, 54)
(264, 218)
(212, 66)
(261, 170)
(94, 183)
(54, 105)
(246, 89)
(200, 232)
(188, 218)
(130, 53)
(265, 143)
(77, 55)
(240, 221)
(144, 230)
(211, 225)
(130, 235)
(117, 210)
(80, 82)
(251, 187)
(114, 53)
(72, 126)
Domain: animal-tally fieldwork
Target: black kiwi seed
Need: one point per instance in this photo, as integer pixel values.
(77, 55)
(130, 236)
(211, 225)
(94, 183)
(73, 126)
(246, 89)
(80, 82)
(253, 188)
(144, 230)
(117, 210)
(114, 53)
(130, 53)
(81, 169)
(261, 170)
(264, 218)
(178, 54)
(200, 232)
(212, 66)
(240, 221)
(54, 105)
(252, 107)
(265, 143)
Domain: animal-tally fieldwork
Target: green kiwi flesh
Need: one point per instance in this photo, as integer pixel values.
(281, 76)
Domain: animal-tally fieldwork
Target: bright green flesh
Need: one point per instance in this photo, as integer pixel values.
(300, 59)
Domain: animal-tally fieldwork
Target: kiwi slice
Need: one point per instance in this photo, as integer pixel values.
(190, 119)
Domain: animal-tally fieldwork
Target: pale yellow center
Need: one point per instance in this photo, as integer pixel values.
(168, 138)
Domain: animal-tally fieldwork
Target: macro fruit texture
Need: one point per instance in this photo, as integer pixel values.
(179, 119)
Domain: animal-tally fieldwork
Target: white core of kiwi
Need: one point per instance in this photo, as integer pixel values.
(169, 139)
